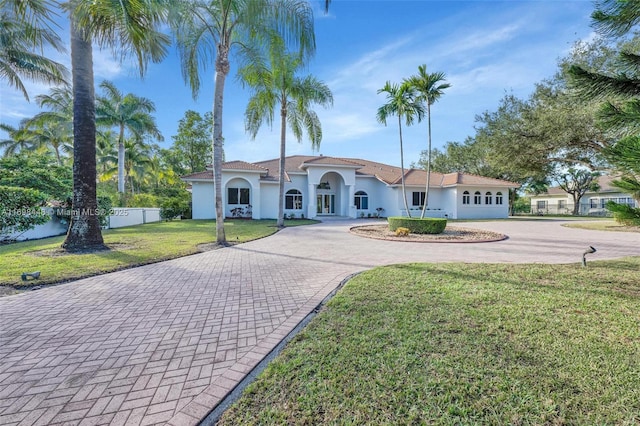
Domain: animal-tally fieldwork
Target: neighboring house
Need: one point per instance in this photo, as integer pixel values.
(557, 201)
(323, 186)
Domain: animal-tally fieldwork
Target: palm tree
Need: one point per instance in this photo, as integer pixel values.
(54, 136)
(128, 113)
(430, 87)
(24, 31)
(17, 141)
(137, 164)
(401, 101)
(131, 24)
(207, 29)
(279, 86)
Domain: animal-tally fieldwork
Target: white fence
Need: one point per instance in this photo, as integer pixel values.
(120, 217)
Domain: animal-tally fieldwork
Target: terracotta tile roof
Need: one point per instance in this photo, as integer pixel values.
(391, 175)
(242, 165)
(334, 161)
(207, 174)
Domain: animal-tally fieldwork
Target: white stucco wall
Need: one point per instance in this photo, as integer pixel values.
(482, 210)
(202, 197)
(264, 196)
(130, 216)
(269, 200)
(300, 183)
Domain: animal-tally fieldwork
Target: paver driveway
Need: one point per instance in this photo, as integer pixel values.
(164, 343)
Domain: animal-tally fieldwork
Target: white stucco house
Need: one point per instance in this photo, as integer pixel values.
(318, 186)
(557, 201)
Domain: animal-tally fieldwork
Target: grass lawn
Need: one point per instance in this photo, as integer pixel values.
(608, 225)
(131, 246)
(463, 344)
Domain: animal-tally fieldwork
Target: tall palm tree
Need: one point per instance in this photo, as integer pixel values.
(138, 164)
(25, 29)
(207, 29)
(430, 87)
(128, 113)
(132, 25)
(276, 86)
(401, 102)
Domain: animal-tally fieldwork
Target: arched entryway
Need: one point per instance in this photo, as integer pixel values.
(330, 196)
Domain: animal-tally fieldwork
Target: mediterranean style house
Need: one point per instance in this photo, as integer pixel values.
(317, 186)
(557, 201)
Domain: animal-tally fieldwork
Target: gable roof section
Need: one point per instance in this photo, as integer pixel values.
(390, 175)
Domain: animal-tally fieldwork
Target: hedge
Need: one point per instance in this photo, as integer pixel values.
(418, 226)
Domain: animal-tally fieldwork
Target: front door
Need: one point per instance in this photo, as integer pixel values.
(326, 204)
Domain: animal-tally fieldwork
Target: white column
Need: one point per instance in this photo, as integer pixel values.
(311, 205)
(351, 203)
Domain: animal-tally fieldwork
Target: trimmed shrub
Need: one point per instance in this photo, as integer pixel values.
(418, 226)
(174, 207)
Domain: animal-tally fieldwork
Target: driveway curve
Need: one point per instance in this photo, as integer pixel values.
(164, 343)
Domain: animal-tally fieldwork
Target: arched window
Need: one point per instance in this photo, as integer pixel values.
(488, 199)
(466, 198)
(477, 198)
(293, 200)
(361, 200)
(498, 197)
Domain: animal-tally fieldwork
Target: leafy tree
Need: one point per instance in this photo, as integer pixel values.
(25, 29)
(192, 150)
(576, 182)
(401, 102)
(430, 87)
(132, 25)
(466, 157)
(128, 113)
(207, 29)
(37, 172)
(278, 86)
(20, 209)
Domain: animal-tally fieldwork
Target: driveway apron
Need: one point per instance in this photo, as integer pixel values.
(164, 343)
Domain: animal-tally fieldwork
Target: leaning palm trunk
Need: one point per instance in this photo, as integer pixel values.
(84, 229)
(222, 69)
(426, 190)
(283, 142)
(404, 192)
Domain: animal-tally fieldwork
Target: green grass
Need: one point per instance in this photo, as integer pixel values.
(131, 246)
(463, 344)
(608, 225)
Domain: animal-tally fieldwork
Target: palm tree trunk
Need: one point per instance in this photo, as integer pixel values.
(84, 229)
(426, 191)
(121, 177)
(404, 192)
(283, 142)
(222, 69)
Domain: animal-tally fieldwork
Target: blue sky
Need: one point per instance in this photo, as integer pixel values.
(486, 49)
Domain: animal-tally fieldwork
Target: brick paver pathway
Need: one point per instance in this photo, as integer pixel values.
(164, 343)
